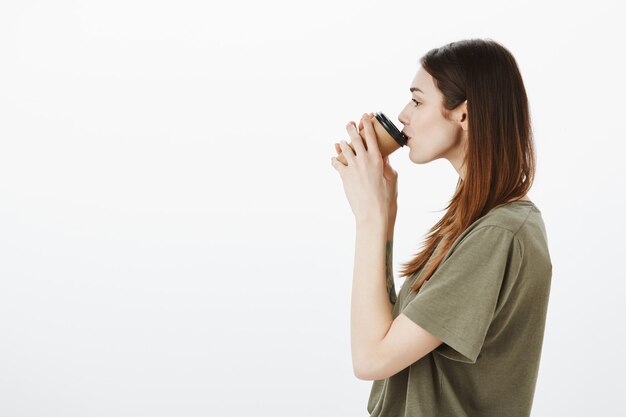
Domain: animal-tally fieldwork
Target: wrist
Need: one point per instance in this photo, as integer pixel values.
(374, 220)
(392, 211)
(391, 223)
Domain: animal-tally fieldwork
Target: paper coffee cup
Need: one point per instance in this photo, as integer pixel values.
(388, 137)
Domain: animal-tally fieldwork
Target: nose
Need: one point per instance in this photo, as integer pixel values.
(402, 118)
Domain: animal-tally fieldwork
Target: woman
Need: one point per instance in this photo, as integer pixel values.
(464, 336)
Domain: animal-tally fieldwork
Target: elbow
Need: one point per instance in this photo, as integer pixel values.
(362, 376)
(363, 373)
(357, 368)
(358, 374)
(366, 367)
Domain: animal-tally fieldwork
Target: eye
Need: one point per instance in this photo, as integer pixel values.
(416, 102)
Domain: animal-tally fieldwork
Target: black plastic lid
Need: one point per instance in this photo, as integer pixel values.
(396, 134)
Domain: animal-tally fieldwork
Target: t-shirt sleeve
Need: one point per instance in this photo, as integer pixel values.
(458, 301)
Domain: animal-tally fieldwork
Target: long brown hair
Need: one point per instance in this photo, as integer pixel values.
(499, 155)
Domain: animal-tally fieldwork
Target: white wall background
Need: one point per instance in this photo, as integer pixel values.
(175, 242)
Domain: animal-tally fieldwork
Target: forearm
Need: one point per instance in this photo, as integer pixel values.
(391, 288)
(371, 310)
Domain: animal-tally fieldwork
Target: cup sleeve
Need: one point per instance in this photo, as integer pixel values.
(458, 301)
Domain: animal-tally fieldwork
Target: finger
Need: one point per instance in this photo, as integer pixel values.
(357, 140)
(370, 137)
(370, 115)
(337, 148)
(336, 163)
(347, 152)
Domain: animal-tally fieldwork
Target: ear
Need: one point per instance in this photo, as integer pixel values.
(461, 116)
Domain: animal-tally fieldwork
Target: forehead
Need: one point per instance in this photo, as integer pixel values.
(425, 82)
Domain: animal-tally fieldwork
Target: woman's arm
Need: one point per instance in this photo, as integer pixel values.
(371, 310)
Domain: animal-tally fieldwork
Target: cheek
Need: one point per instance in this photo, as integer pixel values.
(425, 122)
(432, 133)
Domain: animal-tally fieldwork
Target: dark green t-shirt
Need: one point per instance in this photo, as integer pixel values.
(487, 302)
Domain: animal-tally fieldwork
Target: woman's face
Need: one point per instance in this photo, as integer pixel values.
(432, 136)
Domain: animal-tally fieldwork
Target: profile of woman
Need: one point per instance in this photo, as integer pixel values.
(463, 337)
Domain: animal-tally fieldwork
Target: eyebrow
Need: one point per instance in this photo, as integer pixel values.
(413, 89)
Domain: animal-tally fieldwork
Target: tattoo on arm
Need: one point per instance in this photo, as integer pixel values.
(391, 290)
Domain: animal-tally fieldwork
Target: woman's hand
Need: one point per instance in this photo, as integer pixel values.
(391, 187)
(369, 181)
(391, 184)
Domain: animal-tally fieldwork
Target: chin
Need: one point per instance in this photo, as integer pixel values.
(418, 159)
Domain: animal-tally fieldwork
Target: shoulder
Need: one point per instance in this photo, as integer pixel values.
(511, 217)
(496, 231)
(484, 243)
(516, 227)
